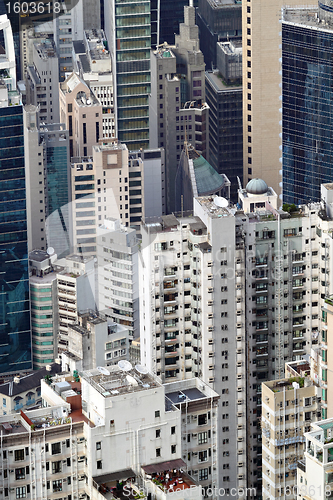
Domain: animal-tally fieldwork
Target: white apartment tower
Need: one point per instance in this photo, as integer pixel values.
(230, 280)
(118, 274)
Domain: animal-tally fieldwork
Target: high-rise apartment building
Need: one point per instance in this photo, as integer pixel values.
(289, 405)
(128, 31)
(262, 90)
(113, 183)
(118, 274)
(15, 328)
(306, 128)
(258, 271)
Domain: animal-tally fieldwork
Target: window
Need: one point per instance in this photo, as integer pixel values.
(173, 448)
(202, 438)
(157, 413)
(158, 433)
(57, 485)
(98, 445)
(56, 448)
(56, 467)
(173, 430)
(203, 474)
(19, 455)
(202, 419)
(99, 464)
(21, 492)
(20, 474)
(203, 456)
(158, 452)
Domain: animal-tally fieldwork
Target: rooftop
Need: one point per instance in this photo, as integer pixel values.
(286, 384)
(39, 255)
(28, 382)
(46, 48)
(114, 381)
(304, 15)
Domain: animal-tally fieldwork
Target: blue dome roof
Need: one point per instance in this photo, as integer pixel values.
(256, 186)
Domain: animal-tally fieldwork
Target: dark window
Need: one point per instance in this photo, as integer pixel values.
(98, 445)
(19, 455)
(56, 448)
(173, 430)
(97, 131)
(84, 125)
(99, 464)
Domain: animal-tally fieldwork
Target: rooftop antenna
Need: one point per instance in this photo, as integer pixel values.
(239, 183)
(191, 3)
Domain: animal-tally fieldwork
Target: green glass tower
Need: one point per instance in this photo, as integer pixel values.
(128, 30)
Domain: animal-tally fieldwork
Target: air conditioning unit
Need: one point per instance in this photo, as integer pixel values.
(239, 376)
(239, 286)
(210, 328)
(195, 472)
(210, 302)
(240, 439)
(211, 354)
(210, 341)
(239, 363)
(184, 438)
(239, 351)
(240, 452)
(240, 401)
(240, 476)
(239, 338)
(240, 414)
(194, 435)
(211, 380)
(239, 389)
(239, 427)
(194, 417)
(239, 325)
(240, 464)
(194, 453)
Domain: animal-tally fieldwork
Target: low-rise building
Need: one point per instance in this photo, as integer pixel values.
(95, 341)
(24, 393)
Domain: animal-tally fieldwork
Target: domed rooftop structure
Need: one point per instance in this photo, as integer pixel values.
(256, 187)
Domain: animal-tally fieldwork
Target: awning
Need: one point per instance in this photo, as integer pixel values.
(163, 466)
(114, 476)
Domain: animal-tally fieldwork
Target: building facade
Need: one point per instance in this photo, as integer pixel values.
(118, 273)
(15, 329)
(178, 110)
(289, 405)
(262, 117)
(196, 286)
(305, 128)
(225, 128)
(128, 32)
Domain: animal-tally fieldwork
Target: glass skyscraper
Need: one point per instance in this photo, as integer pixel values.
(128, 30)
(58, 222)
(15, 330)
(307, 97)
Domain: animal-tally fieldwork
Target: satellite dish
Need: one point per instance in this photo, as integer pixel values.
(103, 370)
(124, 366)
(50, 250)
(131, 380)
(143, 370)
(221, 202)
